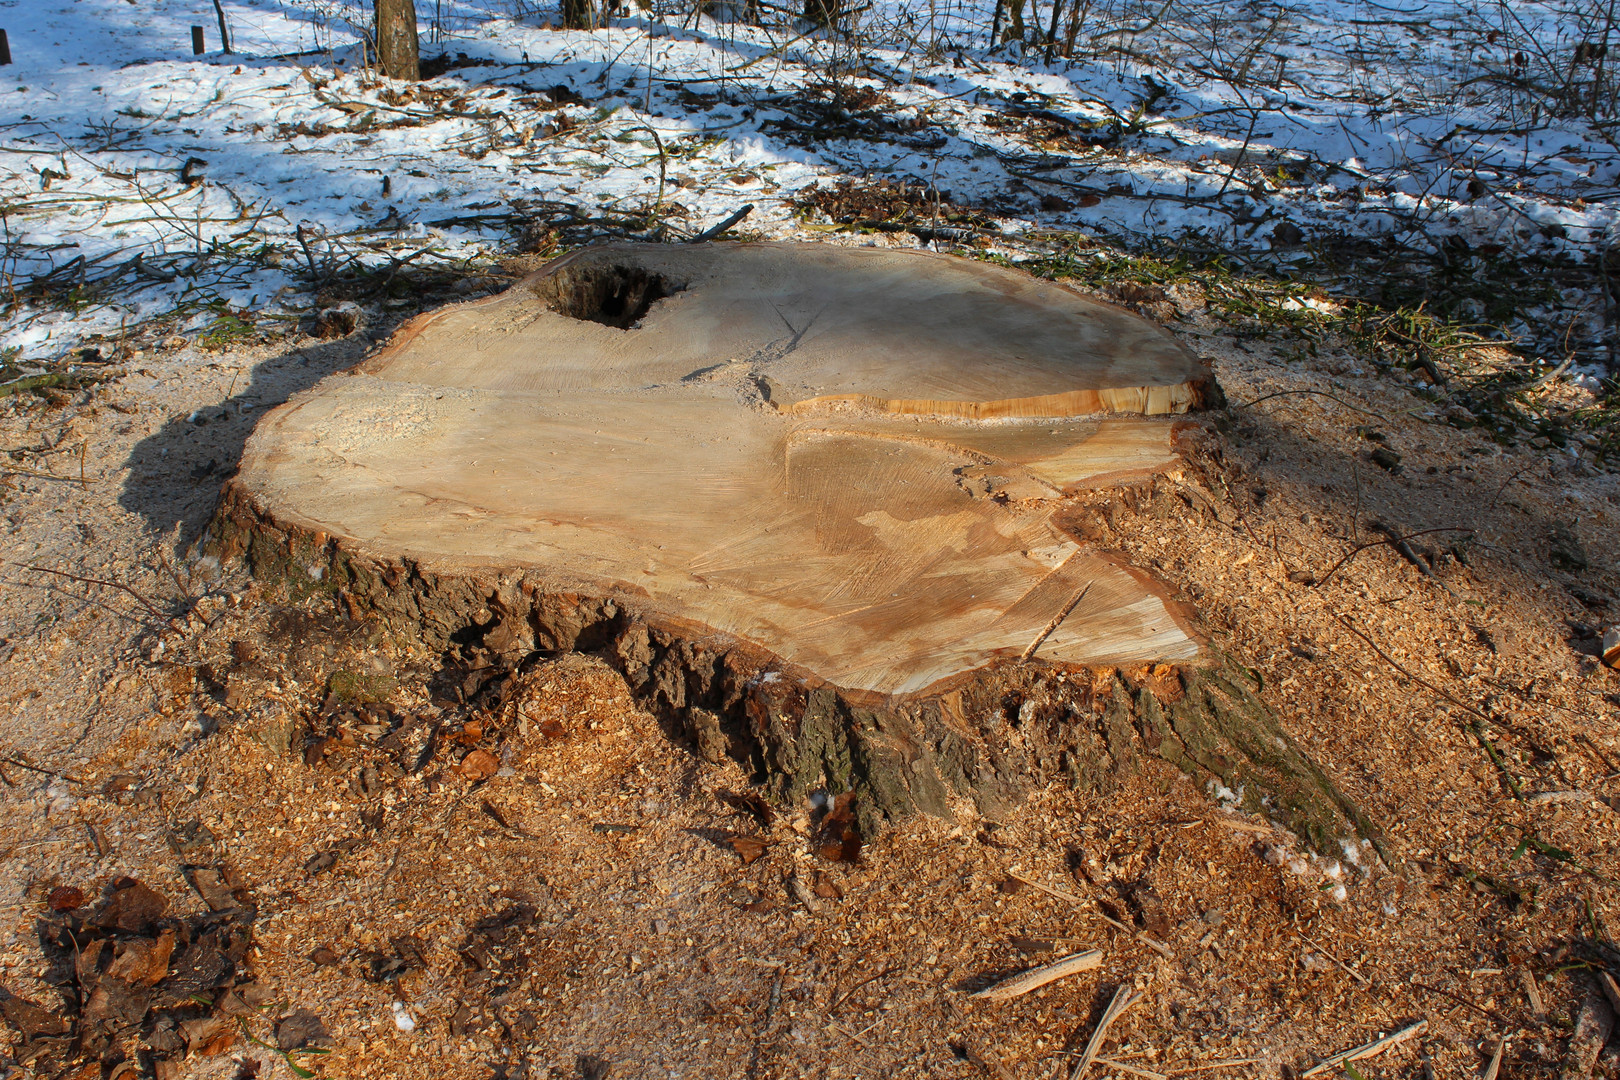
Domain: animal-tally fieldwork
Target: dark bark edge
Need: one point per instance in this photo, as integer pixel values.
(986, 740)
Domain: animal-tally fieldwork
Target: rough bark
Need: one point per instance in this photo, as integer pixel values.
(981, 743)
(398, 52)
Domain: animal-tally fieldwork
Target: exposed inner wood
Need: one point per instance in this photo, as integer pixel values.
(849, 458)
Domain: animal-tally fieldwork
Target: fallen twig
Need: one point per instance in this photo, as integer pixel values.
(1229, 1063)
(717, 230)
(1134, 1070)
(1037, 977)
(1496, 1061)
(1398, 541)
(1366, 1050)
(9, 760)
(1124, 998)
(1157, 946)
(1057, 620)
(1352, 972)
(143, 601)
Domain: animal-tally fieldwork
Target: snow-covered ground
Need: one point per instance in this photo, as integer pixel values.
(138, 180)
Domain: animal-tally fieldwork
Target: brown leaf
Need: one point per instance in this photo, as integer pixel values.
(1088, 200)
(479, 765)
(208, 1035)
(143, 961)
(65, 898)
(748, 848)
(749, 803)
(29, 1020)
(839, 839)
(132, 908)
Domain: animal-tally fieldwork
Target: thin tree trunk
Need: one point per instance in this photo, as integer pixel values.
(397, 49)
(224, 31)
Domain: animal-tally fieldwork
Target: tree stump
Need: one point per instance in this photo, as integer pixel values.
(811, 500)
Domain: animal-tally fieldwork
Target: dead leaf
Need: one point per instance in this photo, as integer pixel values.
(65, 898)
(479, 765)
(749, 803)
(208, 1035)
(839, 839)
(748, 848)
(299, 1029)
(29, 1020)
(132, 908)
(1088, 200)
(143, 961)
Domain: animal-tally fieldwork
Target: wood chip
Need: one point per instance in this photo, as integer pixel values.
(1124, 998)
(1496, 1061)
(1533, 992)
(1366, 1050)
(1037, 977)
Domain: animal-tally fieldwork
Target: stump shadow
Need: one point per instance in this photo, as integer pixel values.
(176, 473)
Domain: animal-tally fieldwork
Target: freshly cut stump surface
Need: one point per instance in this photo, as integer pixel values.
(849, 458)
(809, 498)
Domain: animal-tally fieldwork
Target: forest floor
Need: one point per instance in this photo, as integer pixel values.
(589, 898)
(574, 897)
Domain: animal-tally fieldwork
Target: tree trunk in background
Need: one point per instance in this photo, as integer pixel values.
(396, 39)
(582, 14)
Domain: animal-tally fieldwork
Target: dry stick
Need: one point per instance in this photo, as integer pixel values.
(1157, 946)
(717, 230)
(35, 768)
(1392, 662)
(1496, 1060)
(1316, 393)
(1037, 977)
(8, 470)
(1145, 1074)
(1061, 894)
(1229, 1063)
(1391, 539)
(869, 979)
(1353, 973)
(1477, 726)
(144, 602)
(1464, 1002)
(1124, 998)
(1366, 1050)
(1053, 625)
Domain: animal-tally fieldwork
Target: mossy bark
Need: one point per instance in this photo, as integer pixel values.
(987, 739)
